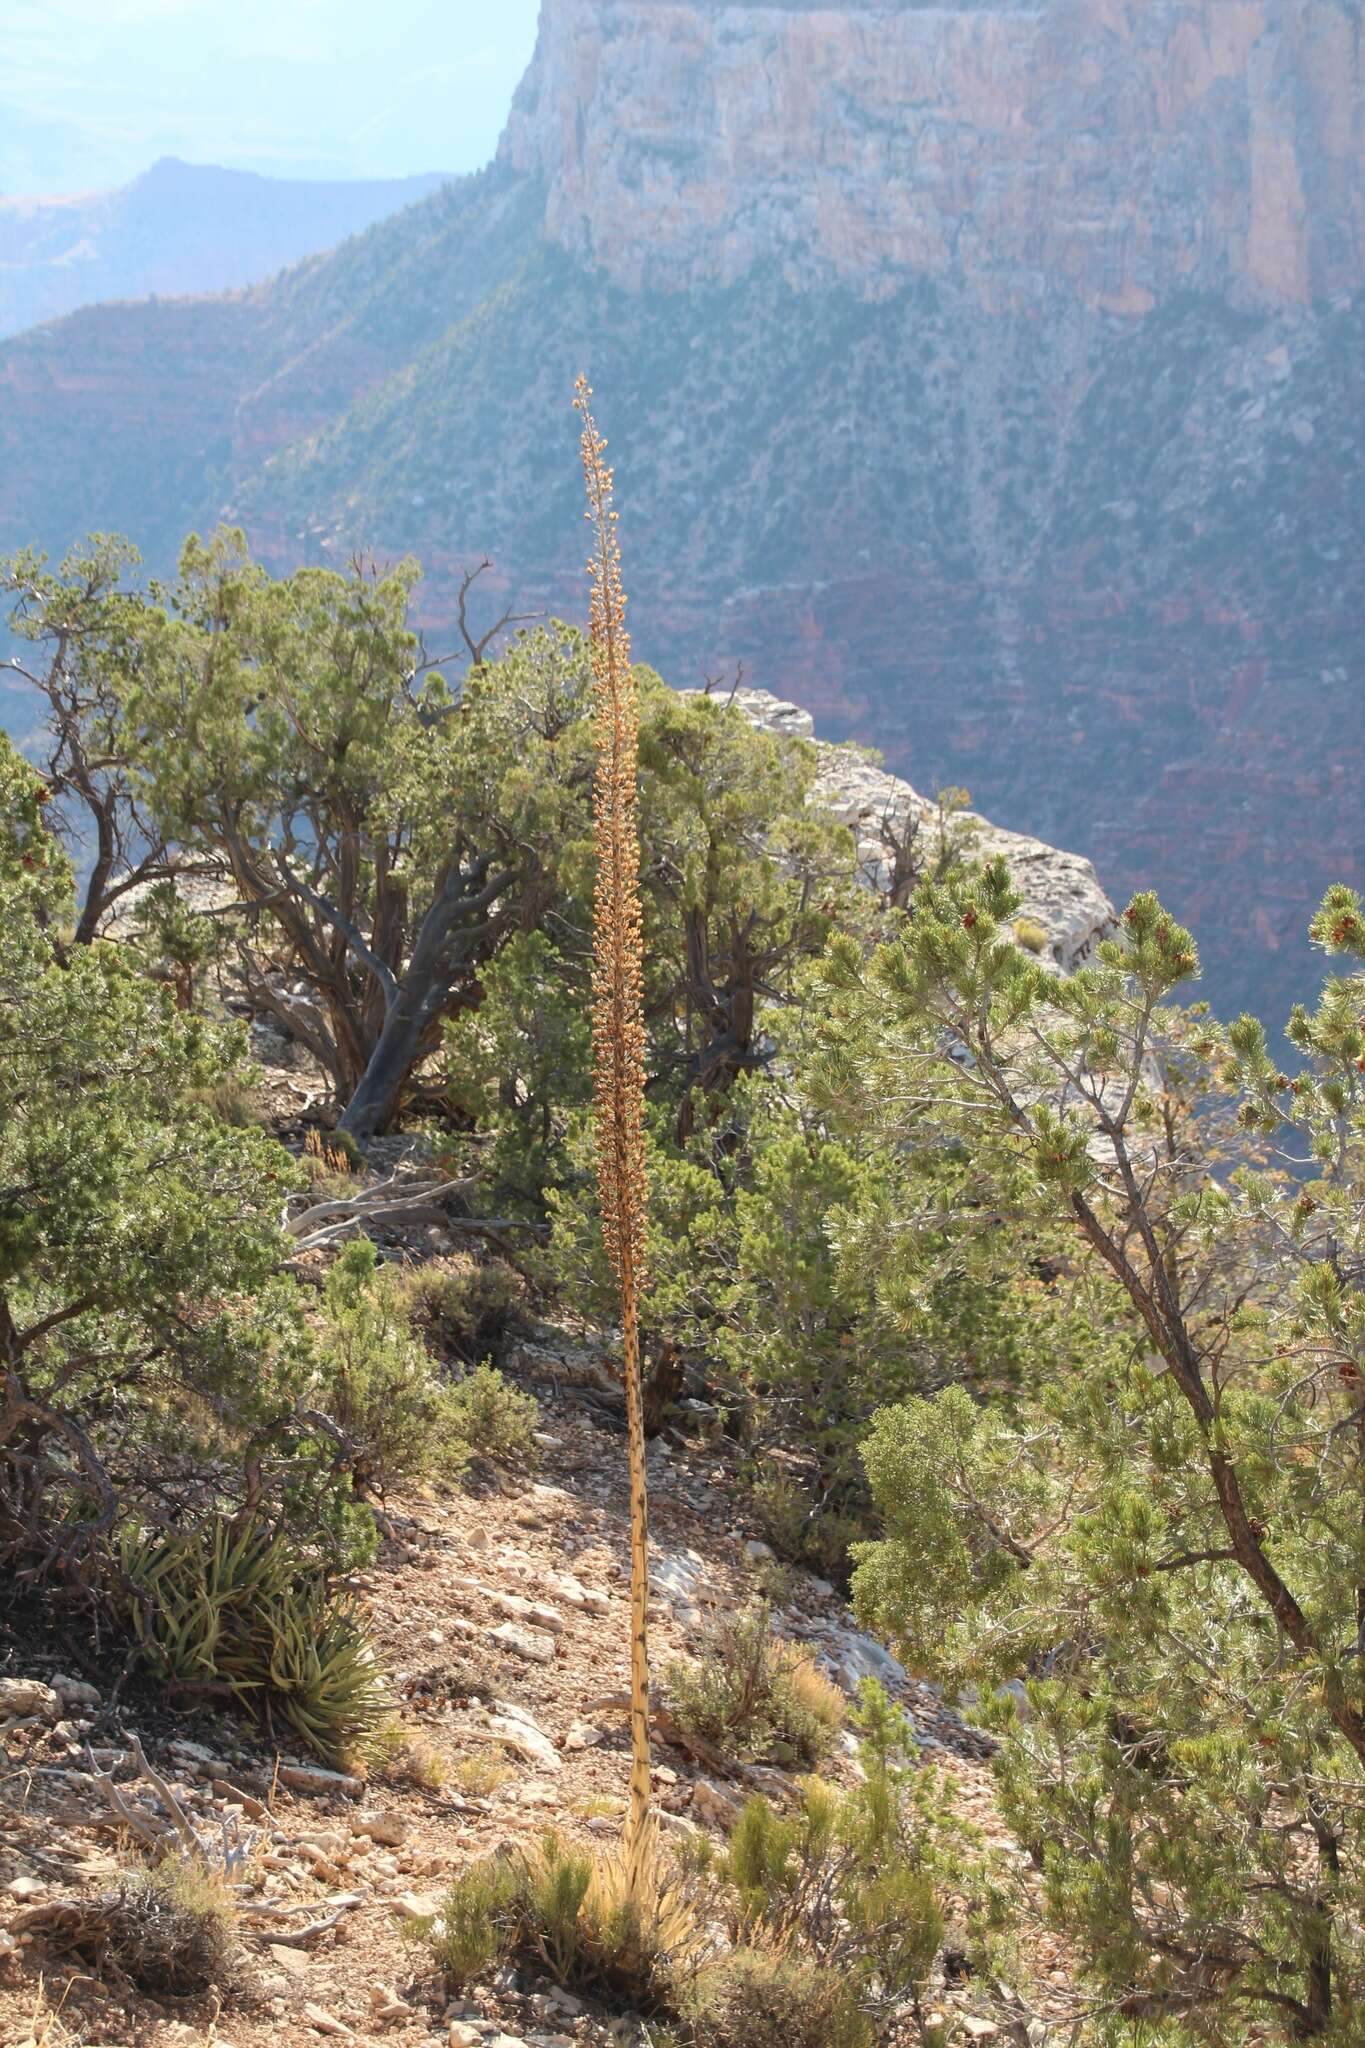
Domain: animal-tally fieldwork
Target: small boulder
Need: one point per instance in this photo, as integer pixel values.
(534, 1612)
(293, 1961)
(678, 1576)
(312, 1778)
(22, 1698)
(854, 1657)
(75, 1692)
(324, 2022)
(389, 1828)
(530, 1644)
(583, 1735)
(416, 1906)
(709, 1803)
(515, 1730)
(572, 1591)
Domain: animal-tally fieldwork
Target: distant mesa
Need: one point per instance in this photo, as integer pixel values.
(180, 228)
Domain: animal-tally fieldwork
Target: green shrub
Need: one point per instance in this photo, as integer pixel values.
(476, 1924)
(848, 1882)
(894, 1913)
(574, 1913)
(234, 1102)
(149, 1333)
(1032, 936)
(754, 1694)
(176, 943)
(377, 1381)
(800, 1529)
(773, 1860)
(217, 1605)
(400, 1416)
(464, 1306)
(488, 1418)
(835, 1883)
(556, 1878)
(755, 1998)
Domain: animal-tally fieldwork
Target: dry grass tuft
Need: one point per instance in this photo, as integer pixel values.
(330, 1169)
(171, 1928)
(814, 1694)
(623, 1929)
(397, 1755)
(481, 1774)
(46, 2027)
(756, 1695)
(758, 1999)
(168, 1929)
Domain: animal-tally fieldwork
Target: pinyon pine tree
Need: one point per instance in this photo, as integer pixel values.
(1167, 1545)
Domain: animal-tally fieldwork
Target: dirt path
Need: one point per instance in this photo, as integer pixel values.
(501, 1614)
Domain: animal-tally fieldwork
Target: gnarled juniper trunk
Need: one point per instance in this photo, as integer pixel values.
(459, 932)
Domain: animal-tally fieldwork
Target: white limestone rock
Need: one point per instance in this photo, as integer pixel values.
(1061, 891)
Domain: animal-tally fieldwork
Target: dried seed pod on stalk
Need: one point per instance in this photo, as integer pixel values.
(619, 1051)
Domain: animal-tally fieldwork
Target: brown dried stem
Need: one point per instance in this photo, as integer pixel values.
(619, 1050)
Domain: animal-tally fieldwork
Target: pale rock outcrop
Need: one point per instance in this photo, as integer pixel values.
(1061, 891)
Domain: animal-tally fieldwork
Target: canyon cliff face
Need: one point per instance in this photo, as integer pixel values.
(987, 379)
(1114, 150)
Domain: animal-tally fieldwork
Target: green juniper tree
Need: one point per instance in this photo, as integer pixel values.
(290, 732)
(386, 832)
(773, 1248)
(139, 1243)
(383, 831)
(81, 636)
(744, 878)
(1167, 1544)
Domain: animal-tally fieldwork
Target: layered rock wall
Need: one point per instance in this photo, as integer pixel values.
(1115, 150)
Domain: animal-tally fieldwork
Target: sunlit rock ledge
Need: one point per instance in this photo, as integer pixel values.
(1061, 891)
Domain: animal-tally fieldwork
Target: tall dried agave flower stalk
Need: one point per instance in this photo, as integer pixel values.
(619, 1053)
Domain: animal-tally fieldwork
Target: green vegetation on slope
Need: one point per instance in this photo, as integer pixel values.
(1037, 1303)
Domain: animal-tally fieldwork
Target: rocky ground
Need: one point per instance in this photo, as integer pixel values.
(501, 1612)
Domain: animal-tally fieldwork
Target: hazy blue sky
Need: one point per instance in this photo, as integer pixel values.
(92, 91)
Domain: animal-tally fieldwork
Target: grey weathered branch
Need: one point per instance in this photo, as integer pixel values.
(379, 1204)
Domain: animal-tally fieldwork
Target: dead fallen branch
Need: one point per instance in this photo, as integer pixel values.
(228, 1854)
(413, 1199)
